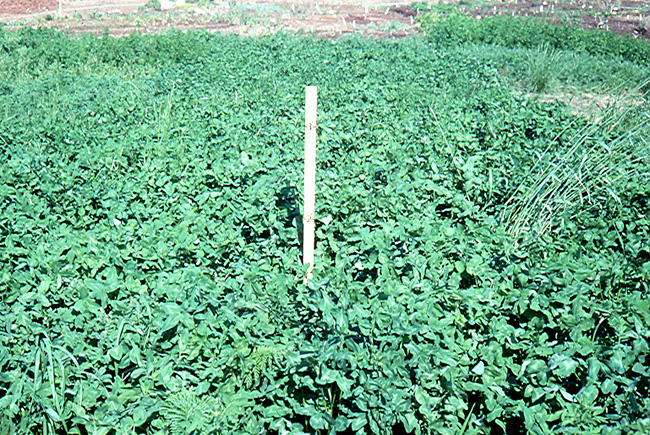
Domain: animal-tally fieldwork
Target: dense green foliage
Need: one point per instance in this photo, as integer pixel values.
(447, 26)
(149, 254)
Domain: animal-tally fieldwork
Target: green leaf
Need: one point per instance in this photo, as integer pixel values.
(411, 422)
(534, 366)
(358, 422)
(318, 422)
(563, 365)
(616, 361)
(479, 368)
(53, 414)
(140, 415)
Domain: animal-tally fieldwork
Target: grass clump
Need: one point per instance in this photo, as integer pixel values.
(543, 68)
(588, 177)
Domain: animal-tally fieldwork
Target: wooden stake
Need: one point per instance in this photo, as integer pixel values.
(309, 220)
(60, 8)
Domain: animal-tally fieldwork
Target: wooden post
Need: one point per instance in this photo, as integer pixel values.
(308, 219)
(60, 9)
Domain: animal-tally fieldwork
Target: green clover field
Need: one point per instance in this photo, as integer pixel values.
(482, 254)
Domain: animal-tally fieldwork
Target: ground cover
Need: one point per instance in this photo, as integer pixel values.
(482, 257)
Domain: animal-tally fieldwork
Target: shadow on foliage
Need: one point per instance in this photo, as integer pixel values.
(286, 198)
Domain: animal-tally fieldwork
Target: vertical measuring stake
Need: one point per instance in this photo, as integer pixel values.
(309, 219)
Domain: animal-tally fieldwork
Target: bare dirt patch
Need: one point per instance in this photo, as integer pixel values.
(330, 19)
(592, 106)
(251, 18)
(16, 8)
